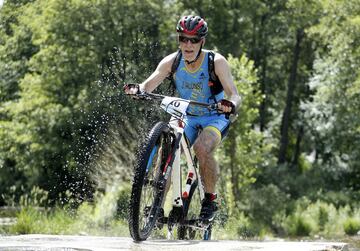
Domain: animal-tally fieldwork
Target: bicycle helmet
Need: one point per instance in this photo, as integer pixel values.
(192, 25)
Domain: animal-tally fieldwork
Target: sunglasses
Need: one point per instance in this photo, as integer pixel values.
(193, 40)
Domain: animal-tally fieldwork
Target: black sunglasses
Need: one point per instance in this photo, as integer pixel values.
(193, 40)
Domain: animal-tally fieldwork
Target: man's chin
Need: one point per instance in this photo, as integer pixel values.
(189, 57)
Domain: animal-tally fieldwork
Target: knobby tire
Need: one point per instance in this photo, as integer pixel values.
(184, 231)
(156, 145)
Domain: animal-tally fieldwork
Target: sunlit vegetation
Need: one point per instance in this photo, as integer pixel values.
(289, 166)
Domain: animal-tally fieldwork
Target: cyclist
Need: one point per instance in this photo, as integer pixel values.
(192, 82)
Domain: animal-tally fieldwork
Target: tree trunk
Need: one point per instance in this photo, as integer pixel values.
(286, 118)
(263, 63)
(297, 146)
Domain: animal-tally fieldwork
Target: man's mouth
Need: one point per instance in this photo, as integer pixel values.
(189, 51)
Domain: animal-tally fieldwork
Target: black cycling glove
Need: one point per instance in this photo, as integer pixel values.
(130, 86)
(225, 102)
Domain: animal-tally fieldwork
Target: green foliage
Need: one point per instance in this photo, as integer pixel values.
(73, 55)
(123, 203)
(36, 198)
(67, 133)
(320, 218)
(298, 226)
(242, 150)
(236, 227)
(265, 203)
(27, 221)
(98, 218)
(352, 226)
(333, 114)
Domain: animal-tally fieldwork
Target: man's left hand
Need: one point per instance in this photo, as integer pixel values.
(226, 106)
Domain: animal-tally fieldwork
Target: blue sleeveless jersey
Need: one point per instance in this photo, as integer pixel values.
(193, 85)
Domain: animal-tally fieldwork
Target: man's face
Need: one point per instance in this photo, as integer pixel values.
(190, 46)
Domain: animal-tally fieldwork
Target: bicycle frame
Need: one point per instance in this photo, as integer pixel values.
(177, 108)
(176, 169)
(143, 217)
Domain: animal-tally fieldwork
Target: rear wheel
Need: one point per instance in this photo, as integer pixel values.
(148, 188)
(186, 232)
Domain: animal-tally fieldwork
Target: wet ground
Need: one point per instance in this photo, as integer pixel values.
(84, 243)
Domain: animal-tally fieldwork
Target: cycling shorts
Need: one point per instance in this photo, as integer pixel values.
(216, 122)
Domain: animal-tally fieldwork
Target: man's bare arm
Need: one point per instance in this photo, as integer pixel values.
(222, 70)
(162, 71)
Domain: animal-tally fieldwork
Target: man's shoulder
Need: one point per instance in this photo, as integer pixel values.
(167, 62)
(169, 59)
(217, 55)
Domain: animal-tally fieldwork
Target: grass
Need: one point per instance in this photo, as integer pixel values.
(107, 216)
(59, 221)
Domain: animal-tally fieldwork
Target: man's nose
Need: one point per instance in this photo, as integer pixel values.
(188, 42)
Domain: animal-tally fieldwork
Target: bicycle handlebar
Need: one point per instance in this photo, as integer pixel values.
(211, 107)
(153, 96)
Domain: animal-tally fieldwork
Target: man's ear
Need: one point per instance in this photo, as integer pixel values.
(203, 42)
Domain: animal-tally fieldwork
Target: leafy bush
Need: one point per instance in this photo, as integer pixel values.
(31, 220)
(95, 218)
(298, 225)
(265, 202)
(235, 227)
(106, 209)
(27, 221)
(352, 226)
(123, 202)
(321, 218)
(37, 197)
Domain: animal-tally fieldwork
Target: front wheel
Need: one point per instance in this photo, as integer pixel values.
(147, 189)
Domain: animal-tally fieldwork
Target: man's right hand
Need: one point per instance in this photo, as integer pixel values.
(131, 89)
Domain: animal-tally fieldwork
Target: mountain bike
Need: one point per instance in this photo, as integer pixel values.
(158, 164)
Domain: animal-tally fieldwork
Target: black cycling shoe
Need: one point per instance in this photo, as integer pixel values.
(208, 208)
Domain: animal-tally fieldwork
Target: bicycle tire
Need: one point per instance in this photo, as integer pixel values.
(156, 146)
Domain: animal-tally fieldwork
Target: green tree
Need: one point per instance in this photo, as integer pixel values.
(68, 93)
(242, 152)
(16, 49)
(334, 113)
(301, 15)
